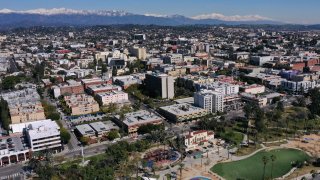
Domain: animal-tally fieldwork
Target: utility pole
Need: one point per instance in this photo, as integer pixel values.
(82, 154)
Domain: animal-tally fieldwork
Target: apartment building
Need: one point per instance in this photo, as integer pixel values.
(127, 81)
(221, 87)
(298, 87)
(140, 53)
(107, 98)
(71, 87)
(81, 104)
(102, 88)
(253, 89)
(160, 85)
(24, 105)
(210, 100)
(92, 81)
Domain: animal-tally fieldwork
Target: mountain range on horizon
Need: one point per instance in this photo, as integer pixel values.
(71, 17)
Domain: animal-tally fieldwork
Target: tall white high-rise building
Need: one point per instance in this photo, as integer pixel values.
(210, 100)
(160, 85)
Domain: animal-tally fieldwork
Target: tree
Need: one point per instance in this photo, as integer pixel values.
(38, 72)
(148, 128)
(114, 71)
(54, 116)
(43, 168)
(314, 107)
(300, 101)
(181, 166)
(85, 140)
(264, 161)
(114, 134)
(65, 135)
(280, 106)
(4, 114)
(9, 82)
(249, 109)
(259, 119)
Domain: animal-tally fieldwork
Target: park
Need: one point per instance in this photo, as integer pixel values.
(266, 164)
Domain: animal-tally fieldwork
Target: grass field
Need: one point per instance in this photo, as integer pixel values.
(252, 167)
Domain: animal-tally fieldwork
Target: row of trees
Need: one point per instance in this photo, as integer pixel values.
(4, 114)
(120, 160)
(184, 88)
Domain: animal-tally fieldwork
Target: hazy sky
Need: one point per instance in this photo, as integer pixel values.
(293, 11)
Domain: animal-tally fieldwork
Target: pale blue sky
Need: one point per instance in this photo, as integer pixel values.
(294, 11)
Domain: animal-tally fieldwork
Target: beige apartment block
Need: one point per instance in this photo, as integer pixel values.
(81, 104)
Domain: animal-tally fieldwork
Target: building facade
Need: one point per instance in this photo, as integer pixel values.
(112, 97)
(210, 100)
(160, 85)
(193, 140)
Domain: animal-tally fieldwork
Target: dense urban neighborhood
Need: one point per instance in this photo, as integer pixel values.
(160, 102)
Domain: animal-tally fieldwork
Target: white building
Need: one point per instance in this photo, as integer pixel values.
(195, 139)
(140, 53)
(41, 135)
(298, 87)
(221, 87)
(210, 100)
(112, 97)
(260, 60)
(254, 89)
(173, 58)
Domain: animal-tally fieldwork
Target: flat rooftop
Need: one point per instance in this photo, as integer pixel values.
(103, 126)
(140, 117)
(85, 129)
(182, 109)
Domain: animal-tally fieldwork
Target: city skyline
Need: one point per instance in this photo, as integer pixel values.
(287, 11)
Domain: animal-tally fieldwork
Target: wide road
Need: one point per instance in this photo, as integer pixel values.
(9, 172)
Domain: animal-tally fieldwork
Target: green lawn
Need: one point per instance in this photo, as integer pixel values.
(232, 136)
(252, 167)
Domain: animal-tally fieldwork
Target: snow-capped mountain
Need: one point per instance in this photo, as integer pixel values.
(65, 17)
(60, 11)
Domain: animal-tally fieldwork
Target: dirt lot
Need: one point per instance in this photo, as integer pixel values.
(309, 143)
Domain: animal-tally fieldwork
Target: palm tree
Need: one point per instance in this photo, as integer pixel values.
(265, 161)
(181, 165)
(273, 158)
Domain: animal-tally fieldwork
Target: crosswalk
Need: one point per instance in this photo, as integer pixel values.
(13, 176)
(73, 150)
